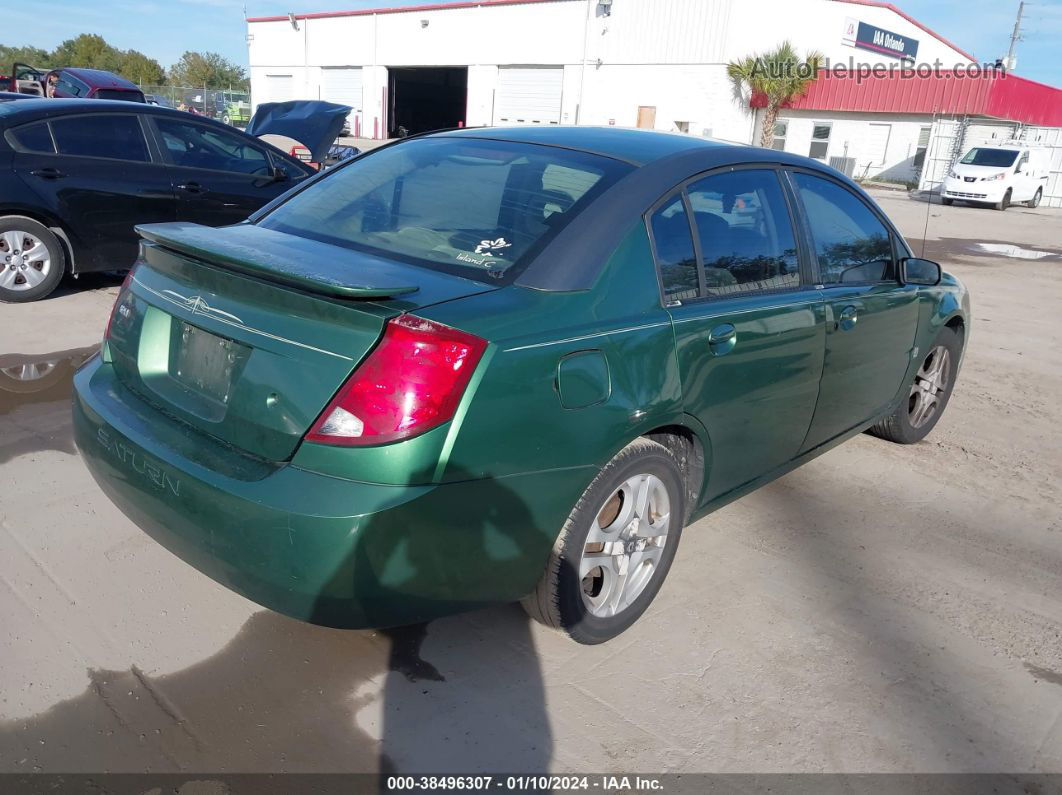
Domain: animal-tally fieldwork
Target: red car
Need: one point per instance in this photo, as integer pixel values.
(69, 82)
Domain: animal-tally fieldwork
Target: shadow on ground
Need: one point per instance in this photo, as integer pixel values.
(288, 696)
(464, 694)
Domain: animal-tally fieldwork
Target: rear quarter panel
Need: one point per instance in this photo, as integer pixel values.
(515, 420)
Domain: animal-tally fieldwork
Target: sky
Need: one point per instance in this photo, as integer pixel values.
(163, 29)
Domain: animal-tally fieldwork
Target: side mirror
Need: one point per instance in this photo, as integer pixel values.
(1022, 168)
(914, 270)
(280, 174)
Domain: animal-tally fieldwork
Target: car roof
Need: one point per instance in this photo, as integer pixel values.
(98, 78)
(637, 147)
(62, 106)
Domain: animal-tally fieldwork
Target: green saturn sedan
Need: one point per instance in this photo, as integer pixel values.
(492, 365)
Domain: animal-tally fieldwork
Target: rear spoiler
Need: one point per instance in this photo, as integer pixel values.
(277, 257)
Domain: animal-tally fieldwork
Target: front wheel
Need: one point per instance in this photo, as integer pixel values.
(616, 548)
(928, 396)
(1003, 203)
(1035, 200)
(947, 202)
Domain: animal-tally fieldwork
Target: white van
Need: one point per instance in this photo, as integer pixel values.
(997, 175)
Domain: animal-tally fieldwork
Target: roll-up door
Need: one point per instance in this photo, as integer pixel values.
(528, 95)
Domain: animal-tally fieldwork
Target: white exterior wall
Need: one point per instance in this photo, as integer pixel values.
(667, 54)
(851, 136)
(818, 25)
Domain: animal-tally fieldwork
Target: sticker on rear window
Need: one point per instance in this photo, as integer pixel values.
(489, 246)
(487, 251)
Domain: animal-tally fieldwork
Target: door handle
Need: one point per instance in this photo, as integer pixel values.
(47, 173)
(722, 339)
(191, 187)
(848, 318)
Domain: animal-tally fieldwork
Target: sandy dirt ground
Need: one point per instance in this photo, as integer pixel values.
(883, 608)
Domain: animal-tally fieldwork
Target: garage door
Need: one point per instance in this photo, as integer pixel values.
(528, 95)
(342, 85)
(279, 88)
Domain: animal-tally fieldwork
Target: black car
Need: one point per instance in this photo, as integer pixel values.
(76, 175)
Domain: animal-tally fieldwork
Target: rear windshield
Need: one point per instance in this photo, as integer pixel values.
(981, 156)
(478, 208)
(118, 93)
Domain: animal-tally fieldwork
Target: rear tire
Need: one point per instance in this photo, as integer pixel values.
(929, 393)
(1035, 200)
(31, 260)
(616, 548)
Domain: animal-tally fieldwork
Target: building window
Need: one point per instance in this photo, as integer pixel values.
(920, 148)
(781, 128)
(820, 140)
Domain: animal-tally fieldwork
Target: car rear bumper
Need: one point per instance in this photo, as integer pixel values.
(316, 547)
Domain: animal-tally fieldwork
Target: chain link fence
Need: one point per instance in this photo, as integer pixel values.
(232, 106)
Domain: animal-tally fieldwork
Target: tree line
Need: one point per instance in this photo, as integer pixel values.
(90, 51)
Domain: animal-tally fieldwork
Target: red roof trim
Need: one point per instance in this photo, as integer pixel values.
(404, 9)
(912, 20)
(996, 96)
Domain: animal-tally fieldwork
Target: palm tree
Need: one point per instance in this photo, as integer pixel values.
(779, 76)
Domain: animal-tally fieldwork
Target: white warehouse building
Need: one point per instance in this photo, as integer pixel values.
(659, 64)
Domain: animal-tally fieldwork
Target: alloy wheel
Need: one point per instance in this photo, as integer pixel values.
(623, 549)
(30, 371)
(930, 387)
(24, 259)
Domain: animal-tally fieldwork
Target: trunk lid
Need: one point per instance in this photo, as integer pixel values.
(246, 333)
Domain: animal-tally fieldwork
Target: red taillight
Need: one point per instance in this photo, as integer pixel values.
(118, 302)
(411, 382)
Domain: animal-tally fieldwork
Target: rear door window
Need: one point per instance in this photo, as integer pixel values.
(113, 135)
(478, 208)
(745, 233)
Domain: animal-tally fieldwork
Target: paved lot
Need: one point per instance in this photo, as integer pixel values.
(883, 608)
